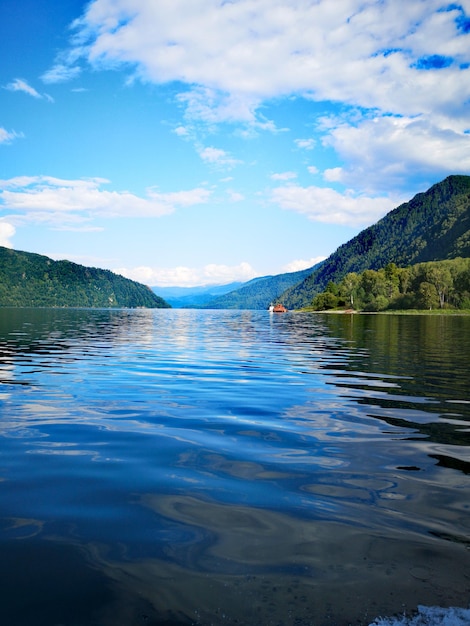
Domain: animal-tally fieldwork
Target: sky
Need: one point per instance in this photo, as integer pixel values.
(194, 142)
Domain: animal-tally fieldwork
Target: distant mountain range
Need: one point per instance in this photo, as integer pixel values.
(433, 226)
(257, 293)
(194, 297)
(34, 280)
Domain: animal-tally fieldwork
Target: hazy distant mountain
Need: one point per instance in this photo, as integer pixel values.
(259, 292)
(34, 280)
(192, 297)
(433, 226)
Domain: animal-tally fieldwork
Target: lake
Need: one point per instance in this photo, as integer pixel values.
(175, 467)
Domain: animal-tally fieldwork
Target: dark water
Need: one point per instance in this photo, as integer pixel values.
(184, 467)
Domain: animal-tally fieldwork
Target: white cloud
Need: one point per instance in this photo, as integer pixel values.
(181, 131)
(19, 84)
(49, 199)
(305, 144)
(333, 174)
(7, 231)
(381, 152)
(227, 273)
(370, 54)
(212, 106)
(284, 176)
(8, 136)
(216, 156)
(189, 277)
(324, 204)
(404, 63)
(312, 169)
(60, 73)
(302, 264)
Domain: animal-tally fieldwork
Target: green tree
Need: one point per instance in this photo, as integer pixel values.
(392, 280)
(377, 303)
(427, 296)
(404, 279)
(349, 286)
(325, 301)
(462, 284)
(439, 276)
(373, 284)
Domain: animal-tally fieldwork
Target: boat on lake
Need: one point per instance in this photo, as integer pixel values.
(277, 308)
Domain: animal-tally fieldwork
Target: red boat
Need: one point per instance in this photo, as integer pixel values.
(278, 308)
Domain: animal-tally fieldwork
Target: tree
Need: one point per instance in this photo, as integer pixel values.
(392, 279)
(404, 279)
(325, 301)
(349, 286)
(373, 284)
(462, 284)
(440, 276)
(427, 296)
(378, 303)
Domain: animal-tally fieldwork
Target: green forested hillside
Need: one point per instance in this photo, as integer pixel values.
(431, 285)
(33, 280)
(259, 292)
(433, 226)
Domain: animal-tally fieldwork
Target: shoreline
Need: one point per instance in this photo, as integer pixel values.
(445, 312)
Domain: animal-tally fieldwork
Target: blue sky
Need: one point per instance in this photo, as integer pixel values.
(188, 143)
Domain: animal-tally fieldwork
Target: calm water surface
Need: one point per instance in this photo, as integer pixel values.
(227, 467)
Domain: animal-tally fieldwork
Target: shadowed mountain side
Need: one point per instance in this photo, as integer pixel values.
(433, 226)
(259, 292)
(34, 280)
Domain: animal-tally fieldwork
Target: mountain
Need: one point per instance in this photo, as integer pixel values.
(33, 280)
(259, 292)
(192, 297)
(433, 226)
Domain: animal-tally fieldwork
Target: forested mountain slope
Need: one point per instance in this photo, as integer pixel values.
(259, 292)
(433, 226)
(34, 280)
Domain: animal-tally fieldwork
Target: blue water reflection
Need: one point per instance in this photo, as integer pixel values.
(289, 469)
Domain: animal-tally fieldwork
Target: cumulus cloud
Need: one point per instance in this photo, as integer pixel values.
(302, 264)
(188, 276)
(400, 70)
(324, 204)
(7, 231)
(216, 156)
(49, 199)
(382, 151)
(212, 106)
(181, 131)
(374, 54)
